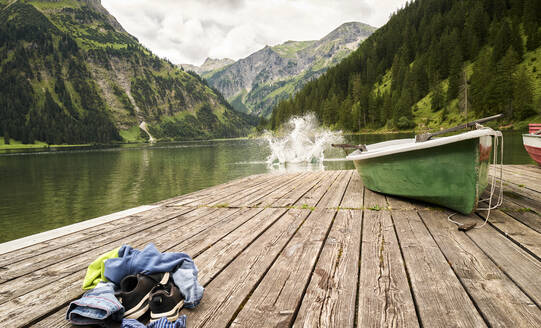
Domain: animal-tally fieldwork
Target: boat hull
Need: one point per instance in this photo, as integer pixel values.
(451, 175)
(532, 143)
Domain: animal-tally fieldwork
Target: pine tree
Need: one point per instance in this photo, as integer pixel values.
(464, 94)
(482, 83)
(501, 41)
(437, 100)
(504, 82)
(523, 95)
(455, 68)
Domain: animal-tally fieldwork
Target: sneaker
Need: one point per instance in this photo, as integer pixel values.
(165, 301)
(135, 292)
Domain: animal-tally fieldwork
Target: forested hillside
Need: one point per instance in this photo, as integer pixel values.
(70, 74)
(433, 62)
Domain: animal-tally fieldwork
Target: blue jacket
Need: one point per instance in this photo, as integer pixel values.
(148, 261)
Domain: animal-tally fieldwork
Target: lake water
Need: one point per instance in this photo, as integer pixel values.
(45, 189)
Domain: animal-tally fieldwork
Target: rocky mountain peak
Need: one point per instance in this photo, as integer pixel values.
(256, 83)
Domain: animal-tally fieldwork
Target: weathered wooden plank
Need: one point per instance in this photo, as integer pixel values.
(536, 169)
(374, 201)
(385, 298)
(519, 186)
(292, 197)
(293, 276)
(269, 191)
(510, 189)
(246, 181)
(222, 242)
(333, 197)
(313, 196)
(502, 303)
(217, 257)
(278, 296)
(401, 204)
(522, 172)
(523, 214)
(214, 196)
(220, 253)
(56, 272)
(280, 192)
(439, 296)
(329, 300)
(56, 243)
(515, 196)
(55, 256)
(237, 196)
(520, 266)
(353, 197)
(65, 281)
(226, 292)
(515, 230)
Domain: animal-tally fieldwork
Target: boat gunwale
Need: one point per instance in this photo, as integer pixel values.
(400, 146)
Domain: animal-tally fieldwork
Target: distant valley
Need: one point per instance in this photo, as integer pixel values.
(255, 84)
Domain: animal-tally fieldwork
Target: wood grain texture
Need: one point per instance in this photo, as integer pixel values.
(210, 240)
(225, 293)
(281, 290)
(354, 195)
(525, 170)
(278, 189)
(515, 196)
(520, 177)
(502, 303)
(296, 194)
(198, 194)
(329, 300)
(217, 191)
(21, 268)
(278, 296)
(285, 189)
(313, 196)
(385, 299)
(525, 215)
(520, 266)
(439, 295)
(374, 201)
(515, 230)
(282, 249)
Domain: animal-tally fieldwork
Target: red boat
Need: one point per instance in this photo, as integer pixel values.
(532, 142)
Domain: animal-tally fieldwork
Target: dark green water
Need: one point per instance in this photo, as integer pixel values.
(42, 190)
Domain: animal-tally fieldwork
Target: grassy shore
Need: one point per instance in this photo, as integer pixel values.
(15, 144)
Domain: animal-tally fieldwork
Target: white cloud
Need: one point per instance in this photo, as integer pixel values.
(188, 31)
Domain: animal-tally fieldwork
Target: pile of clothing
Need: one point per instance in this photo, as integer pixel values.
(125, 283)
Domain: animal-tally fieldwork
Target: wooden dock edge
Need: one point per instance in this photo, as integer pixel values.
(16, 244)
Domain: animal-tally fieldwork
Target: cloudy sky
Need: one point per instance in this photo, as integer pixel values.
(188, 31)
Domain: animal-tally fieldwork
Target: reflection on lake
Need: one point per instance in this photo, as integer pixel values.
(41, 190)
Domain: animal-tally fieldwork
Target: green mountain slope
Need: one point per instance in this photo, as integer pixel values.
(69, 73)
(432, 63)
(255, 84)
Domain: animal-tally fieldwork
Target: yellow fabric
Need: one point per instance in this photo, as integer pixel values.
(94, 273)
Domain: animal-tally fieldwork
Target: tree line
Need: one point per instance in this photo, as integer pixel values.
(426, 48)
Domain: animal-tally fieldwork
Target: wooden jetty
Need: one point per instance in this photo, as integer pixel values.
(311, 249)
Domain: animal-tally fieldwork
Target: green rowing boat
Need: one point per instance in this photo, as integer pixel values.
(448, 171)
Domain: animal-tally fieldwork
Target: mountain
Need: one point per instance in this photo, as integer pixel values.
(208, 66)
(71, 74)
(258, 82)
(434, 64)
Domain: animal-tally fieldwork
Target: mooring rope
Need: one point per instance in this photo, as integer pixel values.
(498, 141)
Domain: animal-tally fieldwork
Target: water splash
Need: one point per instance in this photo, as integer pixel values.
(301, 140)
